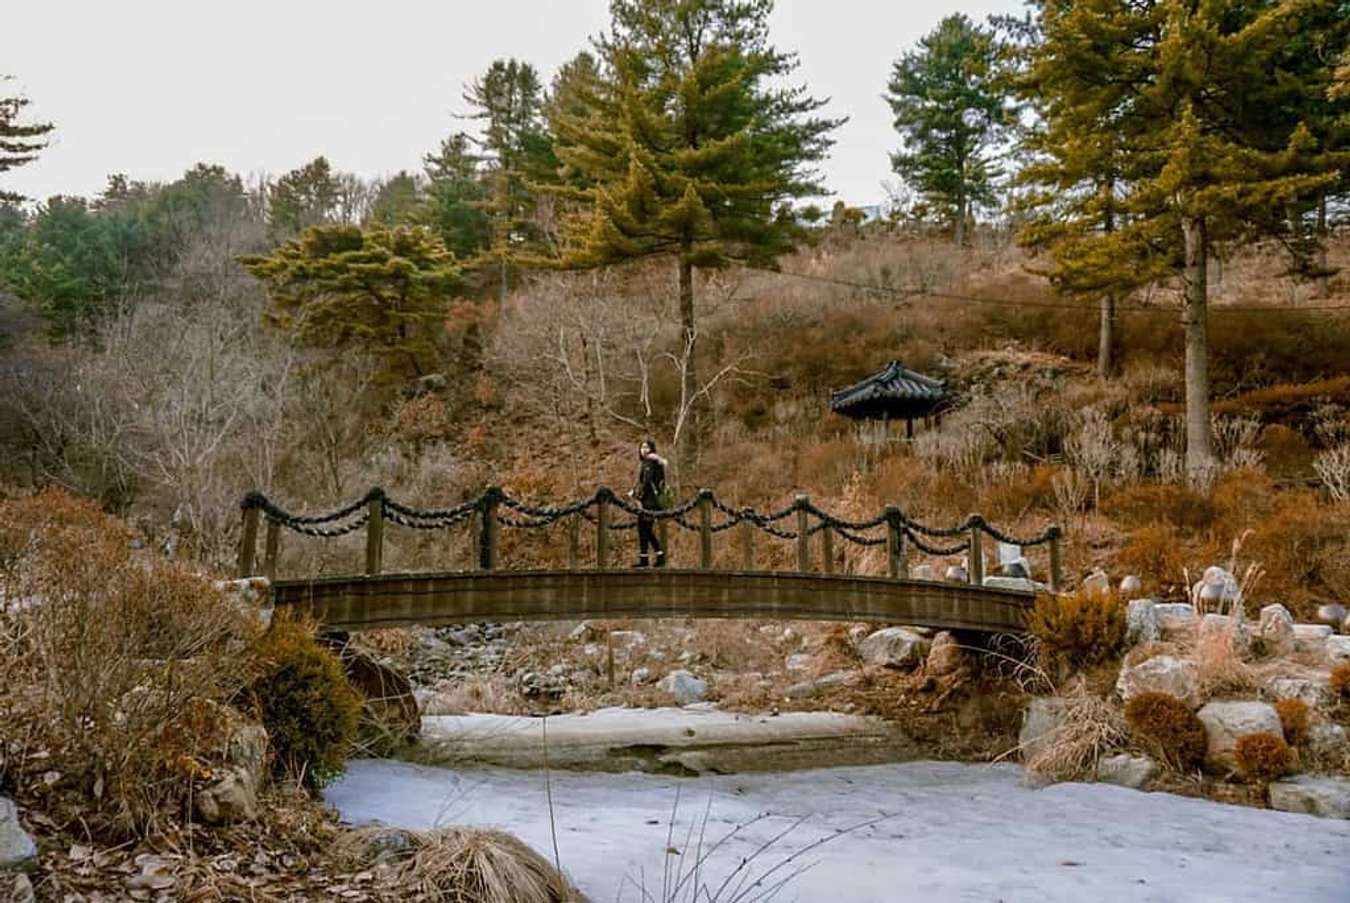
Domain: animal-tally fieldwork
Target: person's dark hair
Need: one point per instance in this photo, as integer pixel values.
(649, 443)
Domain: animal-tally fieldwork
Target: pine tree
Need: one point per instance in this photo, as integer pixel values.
(380, 290)
(453, 202)
(19, 143)
(951, 109)
(691, 146)
(304, 197)
(396, 200)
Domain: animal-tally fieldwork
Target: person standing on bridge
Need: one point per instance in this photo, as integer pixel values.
(649, 492)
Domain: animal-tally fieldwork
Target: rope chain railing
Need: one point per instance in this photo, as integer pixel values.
(494, 509)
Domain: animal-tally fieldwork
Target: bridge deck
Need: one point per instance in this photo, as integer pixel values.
(392, 600)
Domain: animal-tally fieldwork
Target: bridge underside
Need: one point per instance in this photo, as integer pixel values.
(395, 600)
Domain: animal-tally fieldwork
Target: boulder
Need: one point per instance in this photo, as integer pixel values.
(809, 688)
(1218, 586)
(1127, 770)
(1175, 618)
(799, 661)
(1179, 677)
(232, 796)
(584, 632)
(1328, 742)
(16, 888)
(641, 677)
(1332, 615)
(1130, 584)
(894, 647)
(1338, 649)
(1313, 692)
(685, 687)
(1226, 721)
(389, 709)
(1226, 629)
(1042, 720)
(627, 638)
(957, 574)
(1016, 584)
(944, 656)
(18, 852)
(1311, 633)
(1019, 568)
(1141, 621)
(1322, 795)
(1096, 583)
(1276, 627)
(922, 572)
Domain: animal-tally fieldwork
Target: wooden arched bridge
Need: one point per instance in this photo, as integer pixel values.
(489, 592)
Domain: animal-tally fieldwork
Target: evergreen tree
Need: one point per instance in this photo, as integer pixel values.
(20, 143)
(691, 147)
(396, 201)
(384, 291)
(304, 197)
(453, 201)
(951, 109)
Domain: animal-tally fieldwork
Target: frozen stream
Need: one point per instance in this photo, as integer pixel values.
(953, 832)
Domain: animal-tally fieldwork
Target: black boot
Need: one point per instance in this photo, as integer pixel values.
(660, 558)
(642, 561)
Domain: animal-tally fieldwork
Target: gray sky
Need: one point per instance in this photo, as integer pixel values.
(150, 87)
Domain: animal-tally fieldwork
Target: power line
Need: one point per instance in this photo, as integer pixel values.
(1054, 305)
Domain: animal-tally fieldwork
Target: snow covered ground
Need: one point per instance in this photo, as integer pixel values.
(949, 832)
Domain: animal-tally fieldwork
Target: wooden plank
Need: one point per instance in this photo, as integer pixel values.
(976, 574)
(248, 542)
(271, 547)
(375, 535)
(705, 556)
(803, 535)
(602, 533)
(895, 549)
(490, 531)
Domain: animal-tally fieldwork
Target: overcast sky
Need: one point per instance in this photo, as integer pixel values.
(150, 87)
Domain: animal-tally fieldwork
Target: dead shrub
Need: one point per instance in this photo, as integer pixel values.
(1154, 503)
(1242, 497)
(1285, 452)
(1074, 631)
(1168, 728)
(1295, 720)
(1262, 757)
(1219, 666)
(1156, 553)
(1340, 683)
(115, 665)
(1091, 728)
(1299, 544)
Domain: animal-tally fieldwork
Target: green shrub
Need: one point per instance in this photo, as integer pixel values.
(304, 700)
(1077, 630)
(1167, 725)
(1263, 757)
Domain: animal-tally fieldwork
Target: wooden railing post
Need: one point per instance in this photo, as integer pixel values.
(803, 535)
(374, 531)
(271, 547)
(976, 550)
(827, 549)
(747, 544)
(895, 544)
(573, 541)
(488, 549)
(602, 528)
(476, 542)
(705, 556)
(248, 541)
(1056, 561)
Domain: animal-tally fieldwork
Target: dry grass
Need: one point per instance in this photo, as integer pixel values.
(1092, 728)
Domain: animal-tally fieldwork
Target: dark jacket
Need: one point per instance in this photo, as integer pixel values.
(651, 480)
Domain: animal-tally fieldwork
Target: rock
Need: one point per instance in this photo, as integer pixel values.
(1097, 583)
(1226, 721)
(1224, 628)
(957, 574)
(1130, 584)
(894, 647)
(1328, 741)
(1322, 795)
(1345, 625)
(18, 852)
(1042, 720)
(1182, 611)
(1313, 692)
(391, 716)
(1179, 677)
(685, 687)
(1127, 770)
(1332, 615)
(231, 797)
(1276, 627)
(17, 888)
(1019, 569)
(1141, 621)
(1338, 649)
(1314, 633)
(583, 632)
(1017, 584)
(641, 676)
(809, 688)
(798, 662)
(1217, 585)
(432, 382)
(627, 638)
(857, 633)
(922, 572)
(253, 594)
(389, 844)
(944, 656)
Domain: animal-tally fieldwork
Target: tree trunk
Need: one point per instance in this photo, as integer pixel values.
(1195, 320)
(1324, 277)
(960, 222)
(689, 377)
(1106, 338)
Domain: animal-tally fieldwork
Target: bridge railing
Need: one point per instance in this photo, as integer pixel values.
(606, 513)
